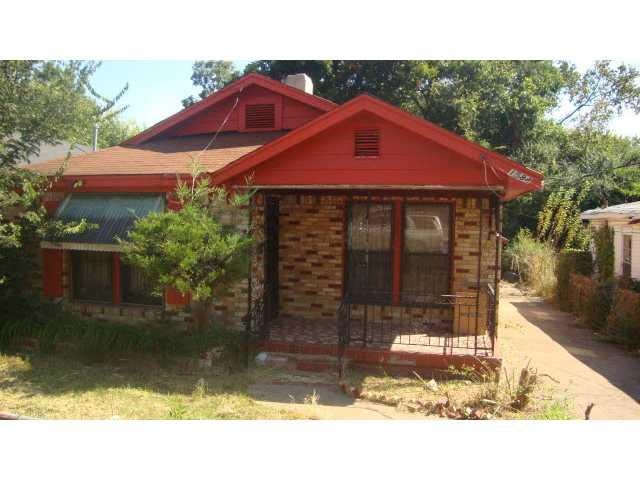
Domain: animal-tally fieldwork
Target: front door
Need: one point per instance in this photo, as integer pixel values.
(271, 245)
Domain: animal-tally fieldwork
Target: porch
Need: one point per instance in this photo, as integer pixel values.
(377, 275)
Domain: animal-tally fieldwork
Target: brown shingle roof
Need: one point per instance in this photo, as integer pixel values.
(170, 155)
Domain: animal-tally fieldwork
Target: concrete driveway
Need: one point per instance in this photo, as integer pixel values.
(588, 370)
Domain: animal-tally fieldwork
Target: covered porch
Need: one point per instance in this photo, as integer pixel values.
(393, 272)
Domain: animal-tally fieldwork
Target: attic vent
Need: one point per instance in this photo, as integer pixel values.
(260, 116)
(367, 143)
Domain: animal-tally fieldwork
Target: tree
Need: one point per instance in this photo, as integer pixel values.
(210, 76)
(114, 131)
(42, 102)
(192, 250)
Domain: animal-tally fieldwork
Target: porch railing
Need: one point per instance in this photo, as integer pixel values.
(462, 323)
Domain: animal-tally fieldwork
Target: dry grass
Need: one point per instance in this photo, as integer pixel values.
(59, 387)
(477, 395)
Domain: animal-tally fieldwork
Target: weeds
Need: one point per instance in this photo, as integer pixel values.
(534, 261)
(96, 341)
(470, 393)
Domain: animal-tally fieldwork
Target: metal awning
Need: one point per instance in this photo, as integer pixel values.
(114, 214)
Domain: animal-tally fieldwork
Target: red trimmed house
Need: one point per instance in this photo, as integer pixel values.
(381, 229)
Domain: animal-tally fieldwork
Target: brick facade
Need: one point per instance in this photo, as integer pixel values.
(312, 241)
(311, 269)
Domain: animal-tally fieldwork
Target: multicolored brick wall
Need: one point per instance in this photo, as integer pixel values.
(312, 240)
(311, 235)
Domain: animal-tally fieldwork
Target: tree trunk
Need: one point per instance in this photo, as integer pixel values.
(202, 315)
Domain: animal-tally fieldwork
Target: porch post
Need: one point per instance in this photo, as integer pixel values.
(397, 249)
(115, 277)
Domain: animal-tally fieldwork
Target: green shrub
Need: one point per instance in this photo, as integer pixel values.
(534, 261)
(623, 321)
(568, 262)
(603, 241)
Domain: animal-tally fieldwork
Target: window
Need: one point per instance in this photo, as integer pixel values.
(92, 276)
(367, 143)
(426, 257)
(260, 116)
(136, 287)
(93, 280)
(369, 262)
(626, 256)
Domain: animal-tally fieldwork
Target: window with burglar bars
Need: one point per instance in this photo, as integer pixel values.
(426, 256)
(92, 276)
(369, 275)
(626, 256)
(136, 287)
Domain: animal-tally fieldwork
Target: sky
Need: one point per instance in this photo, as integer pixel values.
(156, 89)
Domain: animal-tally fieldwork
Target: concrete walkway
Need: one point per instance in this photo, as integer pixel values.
(316, 395)
(588, 370)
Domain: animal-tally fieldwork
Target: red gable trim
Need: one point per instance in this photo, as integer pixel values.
(231, 89)
(503, 165)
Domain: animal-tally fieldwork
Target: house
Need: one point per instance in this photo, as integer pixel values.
(381, 230)
(60, 150)
(624, 219)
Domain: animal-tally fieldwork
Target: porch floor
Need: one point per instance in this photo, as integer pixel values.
(400, 338)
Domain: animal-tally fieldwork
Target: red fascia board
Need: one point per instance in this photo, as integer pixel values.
(117, 183)
(251, 79)
(393, 114)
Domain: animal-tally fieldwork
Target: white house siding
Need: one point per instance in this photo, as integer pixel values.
(620, 229)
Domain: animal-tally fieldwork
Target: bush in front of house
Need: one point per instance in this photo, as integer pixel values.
(623, 321)
(534, 261)
(590, 299)
(570, 262)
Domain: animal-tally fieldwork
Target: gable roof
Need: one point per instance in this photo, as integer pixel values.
(517, 178)
(233, 88)
(163, 156)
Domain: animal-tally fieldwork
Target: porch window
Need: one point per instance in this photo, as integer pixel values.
(626, 256)
(136, 287)
(369, 262)
(426, 252)
(92, 276)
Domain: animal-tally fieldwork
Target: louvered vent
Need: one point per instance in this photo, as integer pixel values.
(367, 143)
(260, 116)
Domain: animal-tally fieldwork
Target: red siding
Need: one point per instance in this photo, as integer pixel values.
(289, 113)
(405, 159)
(52, 272)
(174, 297)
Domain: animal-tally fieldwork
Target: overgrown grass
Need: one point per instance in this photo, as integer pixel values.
(54, 328)
(62, 387)
(534, 261)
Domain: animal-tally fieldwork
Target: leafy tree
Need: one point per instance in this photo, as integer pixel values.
(210, 76)
(600, 93)
(42, 102)
(559, 222)
(114, 131)
(192, 250)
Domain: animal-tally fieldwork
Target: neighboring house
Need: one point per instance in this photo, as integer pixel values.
(381, 230)
(58, 151)
(624, 219)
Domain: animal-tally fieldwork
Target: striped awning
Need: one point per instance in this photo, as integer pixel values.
(114, 215)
